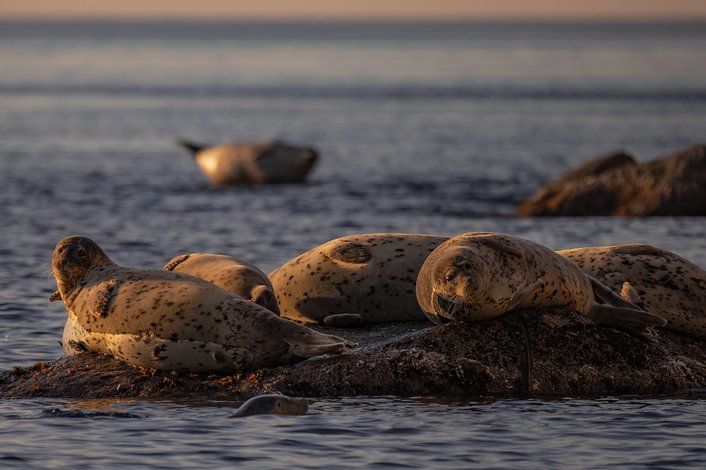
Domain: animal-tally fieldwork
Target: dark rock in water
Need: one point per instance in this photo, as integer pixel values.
(541, 353)
(618, 185)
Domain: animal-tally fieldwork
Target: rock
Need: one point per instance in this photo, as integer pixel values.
(616, 184)
(551, 352)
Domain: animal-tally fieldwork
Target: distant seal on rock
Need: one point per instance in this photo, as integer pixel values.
(660, 281)
(236, 276)
(167, 320)
(253, 163)
(367, 278)
(272, 405)
(481, 275)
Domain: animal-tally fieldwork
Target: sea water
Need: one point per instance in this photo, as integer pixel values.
(434, 128)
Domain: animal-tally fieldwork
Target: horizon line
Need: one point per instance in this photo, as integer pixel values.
(362, 19)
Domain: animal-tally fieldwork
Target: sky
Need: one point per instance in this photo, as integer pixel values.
(356, 9)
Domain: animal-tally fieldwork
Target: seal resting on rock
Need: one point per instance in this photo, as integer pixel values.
(272, 405)
(236, 276)
(368, 278)
(253, 163)
(656, 279)
(167, 320)
(481, 275)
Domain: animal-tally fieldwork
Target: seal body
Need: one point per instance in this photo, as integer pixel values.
(236, 276)
(167, 320)
(480, 275)
(367, 278)
(272, 405)
(253, 163)
(658, 280)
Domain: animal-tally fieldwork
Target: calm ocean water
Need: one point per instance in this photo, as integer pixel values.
(422, 127)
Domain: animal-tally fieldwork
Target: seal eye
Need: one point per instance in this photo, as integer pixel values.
(450, 275)
(466, 265)
(82, 253)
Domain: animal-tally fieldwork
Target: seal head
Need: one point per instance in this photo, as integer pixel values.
(73, 258)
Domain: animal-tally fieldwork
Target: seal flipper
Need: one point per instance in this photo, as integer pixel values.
(637, 321)
(522, 294)
(306, 342)
(629, 293)
(497, 242)
(636, 250)
(55, 296)
(175, 262)
(348, 252)
(106, 295)
(191, 146)
(605, 295)
(344, 320)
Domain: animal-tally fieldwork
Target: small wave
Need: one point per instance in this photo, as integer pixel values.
(61, 413)
(391, 92)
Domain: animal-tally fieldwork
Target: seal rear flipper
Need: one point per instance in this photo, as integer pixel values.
(191, 146)
(605, 295)
(632, 319)
(628, 292)
(344, 320)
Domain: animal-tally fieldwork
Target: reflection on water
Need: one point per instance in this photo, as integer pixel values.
(363, 433)
(422, 128)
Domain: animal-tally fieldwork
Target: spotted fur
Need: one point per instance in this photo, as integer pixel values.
(168, 320)
(480, 275)
(369, 278)
(236, 276)
(659, 280)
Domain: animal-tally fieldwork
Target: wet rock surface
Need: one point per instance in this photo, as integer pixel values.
(616, 184)
(540, 353)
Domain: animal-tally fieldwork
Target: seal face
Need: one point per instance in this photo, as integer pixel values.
(272, 405)
(232, 274)
(167, 320)
(480, 275)
(367, 278)
(253, 163)
(660, 281)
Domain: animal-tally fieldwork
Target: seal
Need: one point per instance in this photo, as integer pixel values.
(365, 278)
(232, 274)
(272, 405)
(482, 275)
(658, 280)
(252, 163)
(173, 321)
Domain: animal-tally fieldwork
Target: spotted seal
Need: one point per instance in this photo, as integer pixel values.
(252, 163)
(234, 275)
(481, 275)
(367, 278)
(167, 320)
(272, 405)
(660, 281)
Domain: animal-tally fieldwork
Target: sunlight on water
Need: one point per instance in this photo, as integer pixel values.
(422, 128)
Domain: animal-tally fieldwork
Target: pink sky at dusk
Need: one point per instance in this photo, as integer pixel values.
(356, 9)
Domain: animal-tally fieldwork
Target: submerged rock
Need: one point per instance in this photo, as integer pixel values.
(540, 353)
(618, 185)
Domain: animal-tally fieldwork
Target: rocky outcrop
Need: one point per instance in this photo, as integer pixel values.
(616, 184)
(540, 353)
